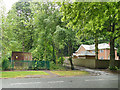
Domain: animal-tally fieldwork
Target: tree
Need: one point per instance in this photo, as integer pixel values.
(46, 22)
(64, 36)
(93, 18)
(70, 41)
(59, 39)
(18, 30)
(25, 30)
(112, 26)
(2, 26)
(84, 19)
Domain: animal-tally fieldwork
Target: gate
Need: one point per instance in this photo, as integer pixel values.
(29, 65)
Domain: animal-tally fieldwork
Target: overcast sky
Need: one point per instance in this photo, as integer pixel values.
(9, 3)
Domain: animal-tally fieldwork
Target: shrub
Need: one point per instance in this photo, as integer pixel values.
(6, 65)
(56, 66)
(59, 61)
(113, 68)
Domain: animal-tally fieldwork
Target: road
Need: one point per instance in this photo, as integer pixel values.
(100, 81)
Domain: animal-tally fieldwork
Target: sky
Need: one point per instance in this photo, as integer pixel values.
(8, 4)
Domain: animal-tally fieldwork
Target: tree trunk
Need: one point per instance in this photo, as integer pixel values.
(70, 54)
(72, 66)
(112, 50)
(112, 53)
(119, 50)
(57, 53)
(96, 47)
(54, 58)
(23, 46)
(45, 56)
(61, 56)
(23, 43)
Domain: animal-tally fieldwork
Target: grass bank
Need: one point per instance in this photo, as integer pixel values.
(70, 73)
(14, 74)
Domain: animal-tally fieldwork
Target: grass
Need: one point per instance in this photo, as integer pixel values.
(70, 73)
(13, 74)
(56, 67)
(0, 68)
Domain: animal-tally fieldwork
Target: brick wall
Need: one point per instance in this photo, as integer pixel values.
(106, 54)
(116, 57)
(81, 49)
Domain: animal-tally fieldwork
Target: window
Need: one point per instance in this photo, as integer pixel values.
(93, 52)
(102, 57)
(101, 51)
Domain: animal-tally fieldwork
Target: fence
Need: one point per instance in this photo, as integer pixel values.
(105, 63)
(29, 65)
(92, 63)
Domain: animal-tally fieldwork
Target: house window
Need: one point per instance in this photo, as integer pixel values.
(93, 52)
(102, 57)
(108, 57)
(101, 51)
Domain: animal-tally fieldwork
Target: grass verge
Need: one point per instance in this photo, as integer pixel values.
(70, 73)
(14, 74)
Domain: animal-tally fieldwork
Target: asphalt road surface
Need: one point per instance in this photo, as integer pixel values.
(101, 81)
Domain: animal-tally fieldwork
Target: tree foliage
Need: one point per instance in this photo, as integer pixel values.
(51, 30)
(96, 18)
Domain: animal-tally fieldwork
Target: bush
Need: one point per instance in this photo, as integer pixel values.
(113, 68)
(56, 66)
(59, 61)
(6, 65)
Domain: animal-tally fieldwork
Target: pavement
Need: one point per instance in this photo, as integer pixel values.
(96, 79)
(110, 81)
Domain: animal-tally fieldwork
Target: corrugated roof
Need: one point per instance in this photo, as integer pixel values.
(92, 47)
(84, 53)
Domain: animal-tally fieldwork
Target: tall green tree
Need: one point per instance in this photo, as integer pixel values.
(70, 37)
(3, 49)
(111, 21)
(19, 28)
(65, 37)
(2, 26)
(46, 17)
(59, 39)
(83, 18)
(24, 20)
(93, 18)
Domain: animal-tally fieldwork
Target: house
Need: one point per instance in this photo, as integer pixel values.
(89, 50)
